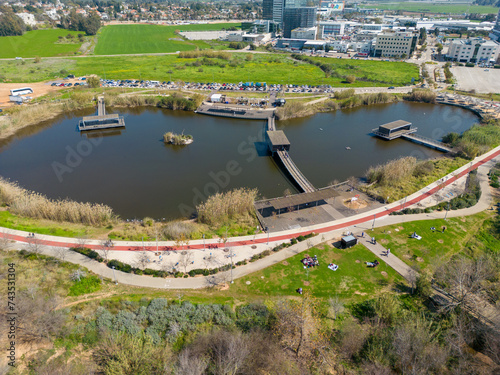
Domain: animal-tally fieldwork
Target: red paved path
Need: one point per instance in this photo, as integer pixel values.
(327, 228)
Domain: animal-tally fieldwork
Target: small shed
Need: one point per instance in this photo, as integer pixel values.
(216, 98)
(348, 241)
(277, 141)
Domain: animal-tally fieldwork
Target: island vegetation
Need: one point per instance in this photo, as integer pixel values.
(177, 139)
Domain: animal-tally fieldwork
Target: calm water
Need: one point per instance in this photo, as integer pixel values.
(135, 173)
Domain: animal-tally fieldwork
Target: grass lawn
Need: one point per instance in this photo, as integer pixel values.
(46, 69)
(352, 281)
(270, 68)
(435, 8)
(7, 220)
(129, 39)
(436, 247)
(41, 43)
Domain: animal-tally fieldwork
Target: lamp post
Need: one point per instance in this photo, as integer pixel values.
(267, 230)
(203, 242)
(373, 224)
(116, 281)
(231, 254)
(447, 209)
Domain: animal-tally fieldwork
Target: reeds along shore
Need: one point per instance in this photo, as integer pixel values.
(34, 205)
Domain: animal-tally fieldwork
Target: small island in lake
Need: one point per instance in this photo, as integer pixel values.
(177, 139)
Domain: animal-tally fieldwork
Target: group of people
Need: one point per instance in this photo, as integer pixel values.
(310, 262)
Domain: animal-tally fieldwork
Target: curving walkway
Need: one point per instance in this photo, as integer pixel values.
(365, 219)
(224, 277)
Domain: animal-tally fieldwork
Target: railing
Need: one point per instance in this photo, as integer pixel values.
(301, 180)
(427, 140)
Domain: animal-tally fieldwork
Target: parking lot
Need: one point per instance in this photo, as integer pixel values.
(480, 79)
(242, 86)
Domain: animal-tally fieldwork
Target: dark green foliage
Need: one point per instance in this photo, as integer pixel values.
(11, 24)
(237, 45)
(89, 24)
(88, 253)
(177, 101)
(252, 316)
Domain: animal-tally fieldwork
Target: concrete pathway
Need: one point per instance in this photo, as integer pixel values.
(392, 261)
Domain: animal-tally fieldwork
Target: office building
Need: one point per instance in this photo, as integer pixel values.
(474, 50)
(395, 44)
(294, 18)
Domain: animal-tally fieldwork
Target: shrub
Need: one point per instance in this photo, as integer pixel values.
(350, 79)
(393, 172)
(88, 253)
(344, 94)
(421, 95)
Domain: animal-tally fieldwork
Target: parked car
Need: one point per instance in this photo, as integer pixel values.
(391, 88)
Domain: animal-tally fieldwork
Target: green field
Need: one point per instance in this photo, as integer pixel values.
(29, 71)
(435, 8)
(131, 39)
(270, 68)
(41, 43)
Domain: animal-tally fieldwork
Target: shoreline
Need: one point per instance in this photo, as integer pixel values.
(61, 108)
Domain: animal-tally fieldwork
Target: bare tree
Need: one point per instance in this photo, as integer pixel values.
(142, 259)
(412, 279)
(105, 248)
(168, 267)
(82, 240)
(60, 253)
(416, 348)
(336, 307)
(32, 289)
(189, 363)
(296, 325)
(34, 245)
(5, 242)
(38, 318)
(353, 182)
(186, 259)
(218, 279)
(78, 275)
(464, 278)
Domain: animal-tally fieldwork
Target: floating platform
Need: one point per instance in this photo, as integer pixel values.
(405, 130)
(101, 120)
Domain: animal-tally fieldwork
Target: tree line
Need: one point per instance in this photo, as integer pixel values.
(10, 23)
(89, 24)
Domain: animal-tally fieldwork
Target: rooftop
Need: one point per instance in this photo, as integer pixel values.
(395, 124)
(278, 137)
(298, 199)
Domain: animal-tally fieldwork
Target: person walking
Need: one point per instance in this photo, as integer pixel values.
(388, 252)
